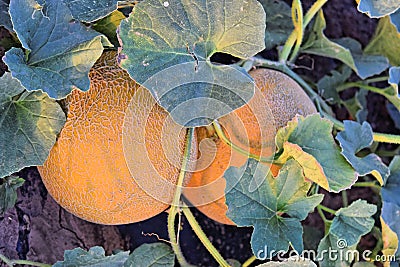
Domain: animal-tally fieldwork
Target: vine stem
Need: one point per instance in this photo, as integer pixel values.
(174, 210)
(222, 136)
(202, 236)
(12, 263)
(293, 36)
(249, 261)
(331, 211)
(371, 184)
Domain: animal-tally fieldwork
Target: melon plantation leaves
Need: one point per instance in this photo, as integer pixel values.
(391, 190)
(378, 8)
(60, 51)
(290, 262)
(8, 192)
(264, 207)
(90, 10)
(386, 42)
(108, 26)
(5, 19)
(95, 257)
(318, 44)
(155, 254)
(310, 142)
(29, 125)
(161, 39)
(353, 139)
(366, 65)
(279, 22)
(345, 232)
(352, 222)
(390, 240)
(328, 84)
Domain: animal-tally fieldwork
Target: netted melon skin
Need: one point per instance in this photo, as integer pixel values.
(86, 171)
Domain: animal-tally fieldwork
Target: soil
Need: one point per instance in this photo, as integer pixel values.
(39, 229)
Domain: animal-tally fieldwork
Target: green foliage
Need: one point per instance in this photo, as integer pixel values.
(391, 190)
(5, 19)
(263, 208)
(90, 10)
(352, 140)
(386, 42)
(29, 124)
(155, 254)
(161, 39)
(108, 26)
(54, 62)
(8, 192)
(291, 262)
(310, 142)
(95, 257)
(378, 8)
(279, 22)
(327, 86)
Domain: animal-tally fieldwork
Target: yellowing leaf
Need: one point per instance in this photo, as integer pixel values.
(390, 241)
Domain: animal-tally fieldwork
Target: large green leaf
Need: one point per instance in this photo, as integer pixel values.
(386, 42)
(279, 22)
(366, 65)
(95, 257)
(264, 208)
(378, 8)
(345, 232)
(108, 26)
(90, 10)
(395, 19)
(167, 46)
(310, 142)
(5, 19)
(29, 125)
(353, 139)
(60, 51)
(8, 192)
(155, 255)
(352, 222)
(318, 44)
(391, 190)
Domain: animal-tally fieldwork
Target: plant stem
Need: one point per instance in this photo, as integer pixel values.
(371, 184)
(331, 211)
(324, 219)
(222, 136)
(22, 262)
(176, 200)
(202, 236)
(249, 261)
(345, 199)
(292, 37)
(297, 17)
(348, 85)
(377, 137)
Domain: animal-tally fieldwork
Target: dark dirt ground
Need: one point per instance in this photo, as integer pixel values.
(39, 229)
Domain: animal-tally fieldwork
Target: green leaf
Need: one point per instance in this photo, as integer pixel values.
(353, 139)
(263, 207)
(357, 106)
(55, 61)
(366, 65)
(395, 19)
(386, 42)
(330, 250)
(318, 44)
(29, 125)
(328, 84)
(90, 10)
(311, 137)
(155, 254)
(345, 232)
(391, 190)
(390, 240)
(352, 222)
(279, 22)
(5, 19)
(394, 114)
(391, 216)
(163, 38)
(8, 192)
(378, 8)
(95, 257)
(290, 262)
(108, 26)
